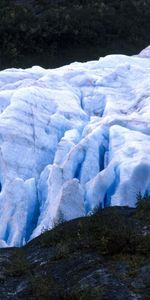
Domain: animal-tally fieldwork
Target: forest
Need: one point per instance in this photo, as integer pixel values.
(33, 28)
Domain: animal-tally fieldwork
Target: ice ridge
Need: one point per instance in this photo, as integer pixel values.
(72, 139)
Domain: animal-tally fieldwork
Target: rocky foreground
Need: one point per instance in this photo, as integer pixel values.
(103, 256)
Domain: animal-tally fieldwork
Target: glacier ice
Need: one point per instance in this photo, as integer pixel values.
(71, 139)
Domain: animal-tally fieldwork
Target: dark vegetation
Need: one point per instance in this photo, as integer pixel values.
(53, 32)
(104, 256)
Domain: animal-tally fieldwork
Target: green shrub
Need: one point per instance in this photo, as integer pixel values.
(143, 207)
(18, 265)
(61, 250)
(41, 287)
(143, 202)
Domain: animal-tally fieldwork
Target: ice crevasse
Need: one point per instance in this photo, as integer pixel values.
(72, 139)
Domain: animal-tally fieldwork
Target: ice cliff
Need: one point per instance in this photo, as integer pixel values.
(72, 139)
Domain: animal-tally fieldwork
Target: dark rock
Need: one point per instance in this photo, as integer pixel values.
(75, 261)
(142, 280)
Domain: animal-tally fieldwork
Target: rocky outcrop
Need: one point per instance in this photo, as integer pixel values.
(105, 256)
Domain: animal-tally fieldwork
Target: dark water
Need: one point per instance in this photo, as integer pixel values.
(66, 56)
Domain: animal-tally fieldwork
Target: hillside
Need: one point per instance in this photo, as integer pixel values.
(104, 256)
(52, 33)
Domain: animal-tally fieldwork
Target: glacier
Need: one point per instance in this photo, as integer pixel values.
(72, 139)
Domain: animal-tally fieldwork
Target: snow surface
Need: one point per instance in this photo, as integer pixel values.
(72, 139)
